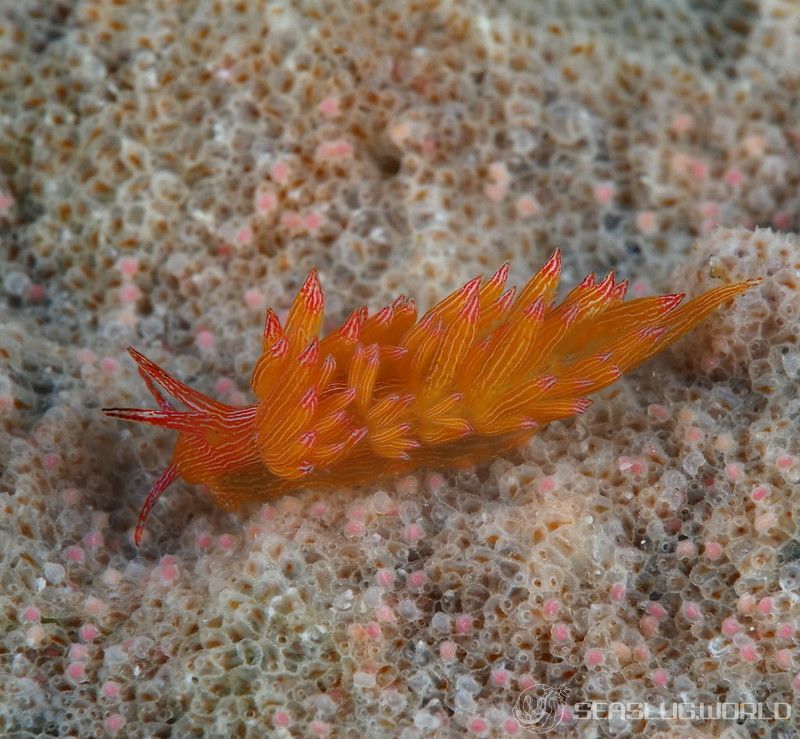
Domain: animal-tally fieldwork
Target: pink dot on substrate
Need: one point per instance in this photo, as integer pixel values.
(708, 225)
(748, 653)
(447, 650)
(691, 611)
(782, 220)
(560, 633)
(604, 192)
(279, 172)
(384, 577)
(114, 723)
(659, 678)
(594, 657)
(52, 461)
(281, 719)
(526, 206)
(204, 340)
(699, 169)
(511, 726)
(478, 725)
(95, 606)
(434, 482)
(686, 550)
(319, 728)
(682, 122)
(75, 554)
(783, 658)
(551, 607)
(385, 614)
(414, 532)
(416, 580)
(693, 435)
(329, 107)
(709, 362)
(203, 541)
(35, 636)
(525, 681)
(78, 652)
(265, 202)
(109, 365)
(765, 522)
(335, 150)
(659, 412)
(356, 513)
(463, 624)
(639, 288)
(733, 177)
(495, 191)
(546, 485)
(111, 689)
(633, 465)
(93, 540)
(765, 605)
(226, 542)
(6, 201)
(167, 571)
(734, 471)
(408, 485)
(731, 627)
(237, 398)
(31, 615)
(709, 209)
(77, 671)
(760, 492)
(244, 235)
(313, 220)
(88, 632)
(713, 550)
(648, 626)
(656, 610)
(223, 386)
(129, 293)
(354, 529)
(85, 356)
(373, 630)
(36, 293)
(785, 461)
(319, 509)
(291, 219)
(785, 631)
(128, 266)
(618, 591)
(646, 221)
(500, 678)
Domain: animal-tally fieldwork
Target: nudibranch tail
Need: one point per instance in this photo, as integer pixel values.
(480, 372)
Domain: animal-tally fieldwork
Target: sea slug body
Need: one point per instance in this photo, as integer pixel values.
(480, 372)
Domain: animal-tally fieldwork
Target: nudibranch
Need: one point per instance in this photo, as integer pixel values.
(479, 373)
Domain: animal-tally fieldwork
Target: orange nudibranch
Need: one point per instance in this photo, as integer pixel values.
(479, 373)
